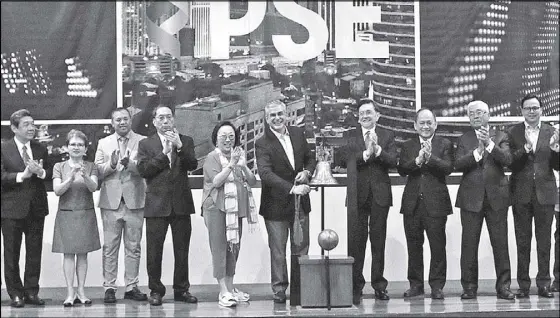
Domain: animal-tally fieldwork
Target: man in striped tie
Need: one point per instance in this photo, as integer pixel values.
(24, 207)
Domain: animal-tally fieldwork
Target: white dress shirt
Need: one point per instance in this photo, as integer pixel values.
(286, 143)
(19, 145)
(533, 135)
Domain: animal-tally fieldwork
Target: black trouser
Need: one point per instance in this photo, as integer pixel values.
(414, 227)
(156, 230)
(523, 214)
(496, 222)
(376, 217)
(12, 230)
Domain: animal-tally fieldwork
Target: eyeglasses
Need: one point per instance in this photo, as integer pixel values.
(164, 117)
(478, 113)
(531, 109)
(77, 145)
(226, 137)
(366, 113)
(278, 114)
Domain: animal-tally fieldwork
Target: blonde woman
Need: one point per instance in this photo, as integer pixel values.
(227, 199)
(75, 230)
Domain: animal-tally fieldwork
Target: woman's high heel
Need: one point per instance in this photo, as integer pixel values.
(79, 300)
(69, 302)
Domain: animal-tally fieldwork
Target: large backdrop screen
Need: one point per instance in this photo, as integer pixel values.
(59, 59)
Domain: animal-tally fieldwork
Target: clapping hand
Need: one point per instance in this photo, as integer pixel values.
(35, 167)
(173, 137)
(483, 135)
(235, 156)
(126, 159)
(115, 158)
(554, 141)
(372, 145)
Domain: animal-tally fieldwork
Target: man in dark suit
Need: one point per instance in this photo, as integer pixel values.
(426, 160)
(482, 155)
(285, 164)
(24, 207)
(163, 160)
(534, 146)
(374, 152)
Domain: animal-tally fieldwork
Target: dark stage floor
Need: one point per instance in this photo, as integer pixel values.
(261, 305)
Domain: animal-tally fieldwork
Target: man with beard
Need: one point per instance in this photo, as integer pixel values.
(482, 155)
(426, 160)
(285, 164)
(374, 152)
(164, 160)
(534, 146)
(24, 207)
(121, 201)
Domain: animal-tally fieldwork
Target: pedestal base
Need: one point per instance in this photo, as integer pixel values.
(314, 281)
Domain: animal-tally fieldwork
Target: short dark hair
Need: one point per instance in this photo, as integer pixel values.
(365, 101)
(220, 125)
(421, 110)
(78, 134)
(16, 117)
(154, 111)
(120, 109)
(530, 96)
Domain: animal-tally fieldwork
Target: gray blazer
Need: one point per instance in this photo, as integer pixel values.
(119, 182)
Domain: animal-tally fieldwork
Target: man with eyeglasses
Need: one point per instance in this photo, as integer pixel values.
(482, 156)
(285, 165)
(121, 200)
(374, 152)
(24, 207)
(164, 160)
(534, 146)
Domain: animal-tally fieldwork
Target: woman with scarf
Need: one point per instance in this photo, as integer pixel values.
(227, 199)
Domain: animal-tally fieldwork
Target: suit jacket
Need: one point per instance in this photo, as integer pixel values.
(429, 179)
(277, 174)
(18, 198)
(485, 176)
(534, 167)
(119, 183)
(167, 187)
(373, 174)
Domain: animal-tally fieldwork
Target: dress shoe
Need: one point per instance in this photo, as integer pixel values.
(155, 299)
(110, 297)
(69, 302)
(522, 293)
(185, 297)
(413, 292)
(381, 295)
(506, 294)
(468, 294)
(34, 300)
(279, 297)
(545, 292)
(554, 287)
(17, 302)
(135, 294)
(437, 293)
(357, 298)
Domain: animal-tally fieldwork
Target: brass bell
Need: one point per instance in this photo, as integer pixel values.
(323, 174)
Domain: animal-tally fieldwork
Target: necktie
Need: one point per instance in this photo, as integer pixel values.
(171, 154)
(368, 138)
(24, 154)
(123, 141)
